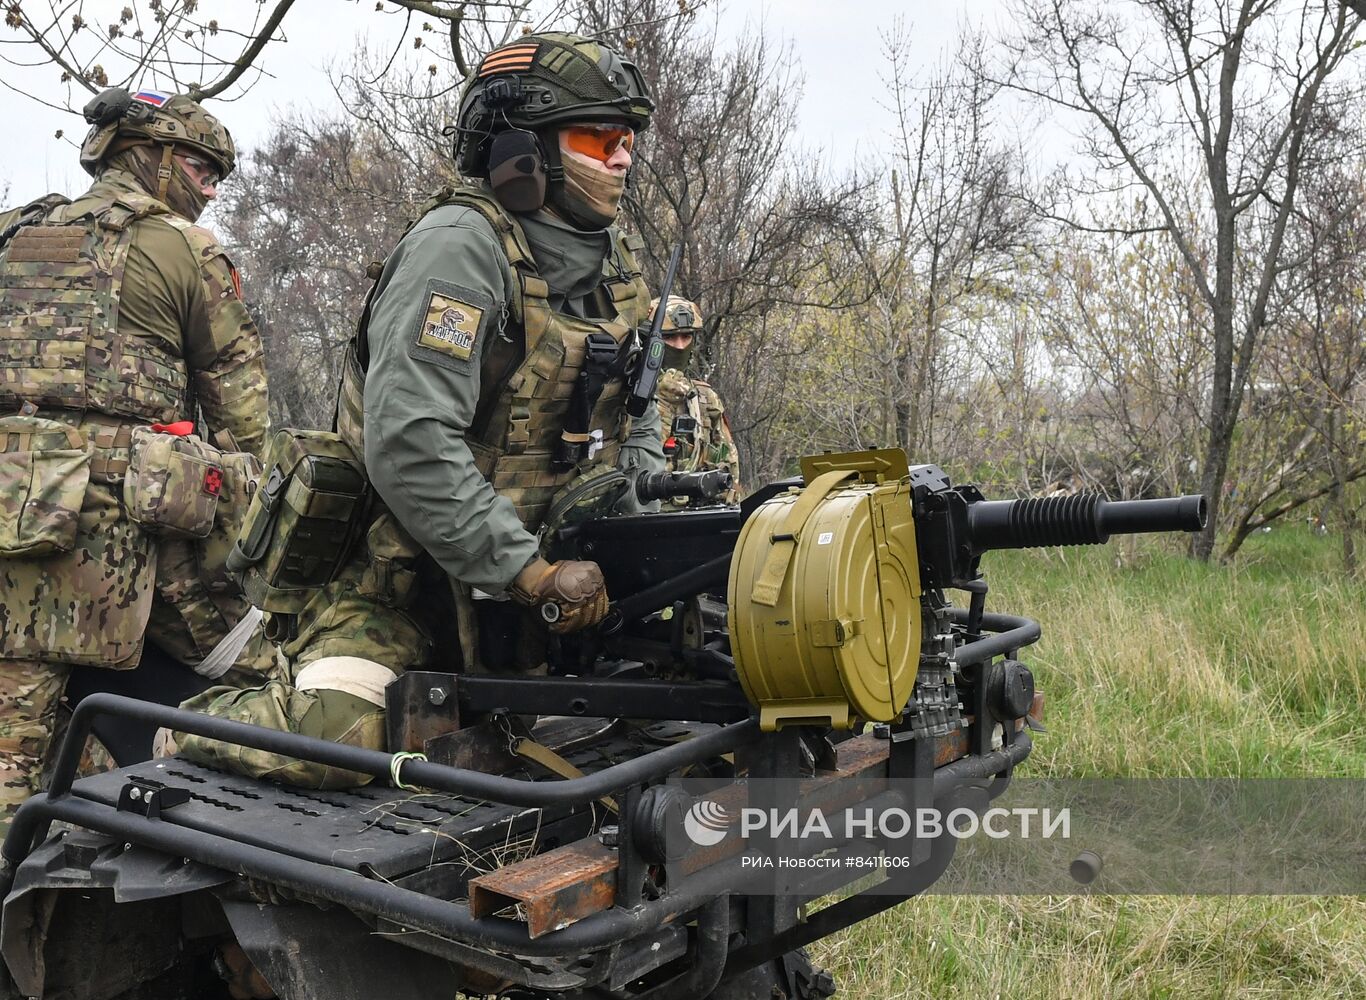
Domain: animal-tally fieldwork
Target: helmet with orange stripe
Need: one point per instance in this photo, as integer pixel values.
(531, 87)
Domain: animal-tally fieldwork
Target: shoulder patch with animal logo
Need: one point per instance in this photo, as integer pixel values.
(450, 325)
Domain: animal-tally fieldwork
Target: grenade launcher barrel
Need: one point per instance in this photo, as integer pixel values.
(1083, 519)
(955, 525)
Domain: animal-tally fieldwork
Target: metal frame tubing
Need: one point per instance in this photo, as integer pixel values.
(409, 771)
(411, 909)
(1011, 632)
(406, 907)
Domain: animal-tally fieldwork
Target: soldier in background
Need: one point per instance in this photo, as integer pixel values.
(120, 319)
(696, 433)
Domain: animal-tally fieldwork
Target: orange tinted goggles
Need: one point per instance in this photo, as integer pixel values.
(599, 141)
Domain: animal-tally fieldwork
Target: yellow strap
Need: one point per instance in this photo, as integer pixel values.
(164, 172)
(784, 540)
(554, 763)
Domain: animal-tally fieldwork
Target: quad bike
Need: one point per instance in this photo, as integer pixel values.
(578, 834)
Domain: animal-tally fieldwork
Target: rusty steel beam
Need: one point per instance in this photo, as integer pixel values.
(553, 889)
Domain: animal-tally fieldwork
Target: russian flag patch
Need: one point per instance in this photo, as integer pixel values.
(153, 97)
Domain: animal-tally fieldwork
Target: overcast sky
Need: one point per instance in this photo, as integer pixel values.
(839, 57)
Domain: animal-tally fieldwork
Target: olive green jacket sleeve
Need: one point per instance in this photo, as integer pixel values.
(420, 399)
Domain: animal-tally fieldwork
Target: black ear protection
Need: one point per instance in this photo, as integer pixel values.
(517, 170)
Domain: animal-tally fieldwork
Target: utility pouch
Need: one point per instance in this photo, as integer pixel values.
(302, 521)
(392, 560)
(241, 475)
(173, 483)
(44, 472)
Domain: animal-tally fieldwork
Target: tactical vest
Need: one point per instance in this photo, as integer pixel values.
(527, 377)
(678, 398)
(711, 445)
(60, 286)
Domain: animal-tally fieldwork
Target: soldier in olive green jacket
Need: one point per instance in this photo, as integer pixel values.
(116, 312)
(459, 392)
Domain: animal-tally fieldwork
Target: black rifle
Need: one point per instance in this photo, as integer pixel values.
(640, 392)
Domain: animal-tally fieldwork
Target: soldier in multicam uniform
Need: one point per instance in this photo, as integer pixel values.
(458, 392)
(702, 440)
(116, 312)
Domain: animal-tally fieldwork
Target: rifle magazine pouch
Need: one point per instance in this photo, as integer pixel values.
(391, 564)
(44, 472)
(173, 483)
(86, 606)
(302, 522)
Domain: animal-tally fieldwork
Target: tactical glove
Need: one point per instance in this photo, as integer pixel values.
(576, 589)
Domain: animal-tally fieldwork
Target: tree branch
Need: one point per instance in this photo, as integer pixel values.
(248, 56)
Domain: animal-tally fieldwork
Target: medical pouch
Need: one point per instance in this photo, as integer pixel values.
(302, 522)
(44, 472)
(173, 483)
(241, 476)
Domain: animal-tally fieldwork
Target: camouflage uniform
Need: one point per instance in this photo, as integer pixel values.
(711, 446)
(455, 391)
(115, 312)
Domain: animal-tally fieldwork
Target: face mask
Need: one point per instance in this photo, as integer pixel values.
(590, 194)
(182, 195)
(677, 357)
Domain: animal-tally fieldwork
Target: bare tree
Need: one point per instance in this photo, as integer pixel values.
(1232, 86)
(170, 41)
(312, 207)
(720, 171)
(955, 223)
(1126, 329)
(175, 44)
(1312, 385)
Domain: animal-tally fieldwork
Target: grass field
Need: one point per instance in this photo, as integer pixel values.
(1156, 666)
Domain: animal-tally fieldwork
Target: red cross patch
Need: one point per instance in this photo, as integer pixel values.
(213, 481)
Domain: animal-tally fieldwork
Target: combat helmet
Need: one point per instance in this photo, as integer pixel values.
(119, 118)
(542, 80)
(679, 314)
